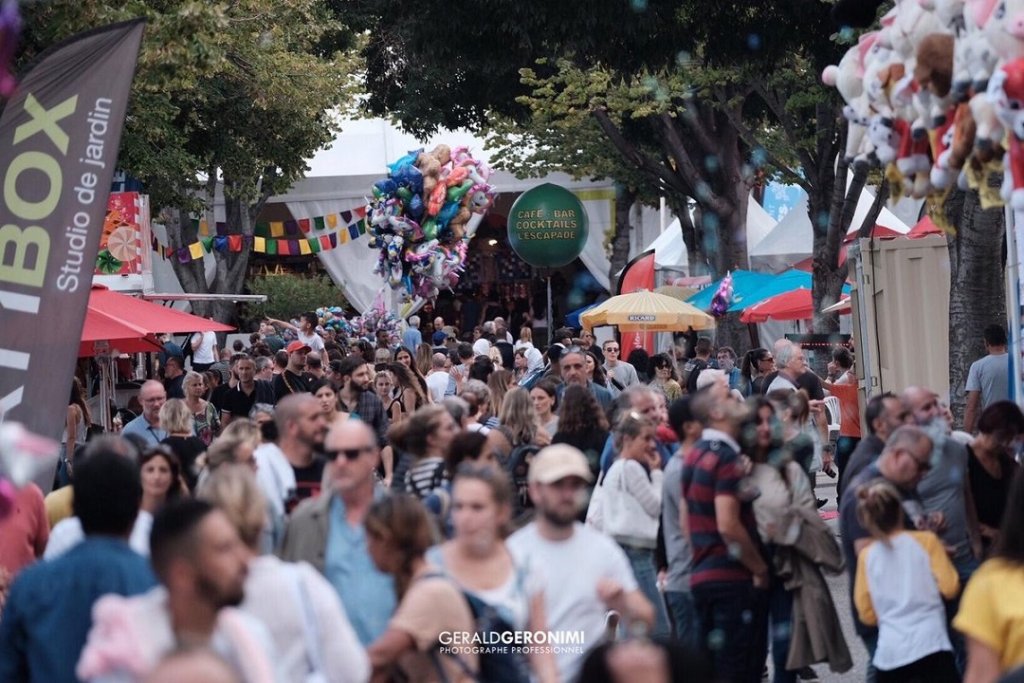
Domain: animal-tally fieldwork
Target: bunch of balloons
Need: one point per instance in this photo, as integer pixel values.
(419, 217)
(364, 326)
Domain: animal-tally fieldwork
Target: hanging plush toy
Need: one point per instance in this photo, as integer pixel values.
(1008, 99)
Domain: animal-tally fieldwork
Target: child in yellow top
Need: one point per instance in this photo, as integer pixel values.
(902, 578)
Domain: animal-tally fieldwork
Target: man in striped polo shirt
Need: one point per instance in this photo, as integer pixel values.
(730, 577)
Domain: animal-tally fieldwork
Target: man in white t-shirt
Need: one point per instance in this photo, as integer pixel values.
(584, 572)
(204, 350)
(306, 333)
(438, 378)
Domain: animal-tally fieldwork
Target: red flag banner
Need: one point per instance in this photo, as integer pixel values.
(59, 137)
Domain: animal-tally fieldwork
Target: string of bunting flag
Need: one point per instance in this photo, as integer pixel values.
(275, 238)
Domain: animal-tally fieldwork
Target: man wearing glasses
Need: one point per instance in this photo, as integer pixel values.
(620, 373)
(328, 531)
(904, 462)
(152, 395)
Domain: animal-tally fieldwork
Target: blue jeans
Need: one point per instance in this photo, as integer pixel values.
(871, 644)
(780, 612)
(733, 629)
(965, 565)
(642, 561)
(684, 618)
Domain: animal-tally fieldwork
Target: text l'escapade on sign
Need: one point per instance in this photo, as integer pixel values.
(547, 226)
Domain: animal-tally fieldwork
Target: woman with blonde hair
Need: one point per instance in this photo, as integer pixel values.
(525, 340)
(901, 582)
(519, 425)
(398, 534)
(312, 637)
(204, 415)
(176, 419)
(499, 382)
(235, 446)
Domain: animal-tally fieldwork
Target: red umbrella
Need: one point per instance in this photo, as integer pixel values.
(129, 324)
(792, 305)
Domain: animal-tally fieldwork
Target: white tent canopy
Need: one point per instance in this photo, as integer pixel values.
(792, 240)
(670, 250)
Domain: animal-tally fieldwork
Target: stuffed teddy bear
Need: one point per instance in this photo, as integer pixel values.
(1007, 91)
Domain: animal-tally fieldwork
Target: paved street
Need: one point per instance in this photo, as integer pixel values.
(826, 488)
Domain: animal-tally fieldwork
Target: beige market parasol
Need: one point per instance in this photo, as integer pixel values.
(646, 311)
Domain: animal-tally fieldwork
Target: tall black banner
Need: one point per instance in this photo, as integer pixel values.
(59, 138)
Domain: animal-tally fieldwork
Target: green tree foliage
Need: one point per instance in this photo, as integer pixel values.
(289, 295)
(238, 93)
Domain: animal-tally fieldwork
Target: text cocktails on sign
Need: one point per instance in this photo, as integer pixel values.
(547, 226)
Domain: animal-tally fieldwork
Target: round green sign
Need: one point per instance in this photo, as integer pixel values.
(547, 226)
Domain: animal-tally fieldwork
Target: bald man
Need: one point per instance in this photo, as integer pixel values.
(328, 532)
(301, 427)
(152, 395)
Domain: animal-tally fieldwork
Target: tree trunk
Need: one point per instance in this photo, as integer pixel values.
(624, 200)
(977, 293)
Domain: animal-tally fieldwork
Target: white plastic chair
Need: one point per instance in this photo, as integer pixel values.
(834, 417)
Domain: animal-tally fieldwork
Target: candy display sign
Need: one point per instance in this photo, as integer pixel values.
(547, 226)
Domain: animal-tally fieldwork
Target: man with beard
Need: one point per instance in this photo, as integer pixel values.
(585, 572)
(202, 564)
(292, 379)
(355, 380)
(301, 427)
(945, 494)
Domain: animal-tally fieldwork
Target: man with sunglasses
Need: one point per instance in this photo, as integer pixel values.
(328, 531)
(904, 462)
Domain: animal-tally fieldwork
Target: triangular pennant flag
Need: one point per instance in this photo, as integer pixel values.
(183, 255)
(314, 244)
(304, 225)
(334, 239)
(196, 249)
(325, 241)
(361, 212)
(353, 232)
(207, 243)
(362, 227)
(276, 229)
(332, 220)
(235, 243)
(259, 245)
(291, 227)
(344, 234)
(293, 247)
(318, 222)
(261, 229)
(304, 247)
(272, 246)
(220, 243)
(346, 217)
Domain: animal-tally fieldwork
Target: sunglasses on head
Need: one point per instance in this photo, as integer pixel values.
(349, 453)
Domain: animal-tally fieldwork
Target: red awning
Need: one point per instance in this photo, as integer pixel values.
(129, 324)
(793, 305)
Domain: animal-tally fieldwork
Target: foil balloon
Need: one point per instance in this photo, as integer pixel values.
(419, 215)
(24, 456)
(723, 297)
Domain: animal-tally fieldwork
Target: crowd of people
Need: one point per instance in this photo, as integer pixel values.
(430, 509)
